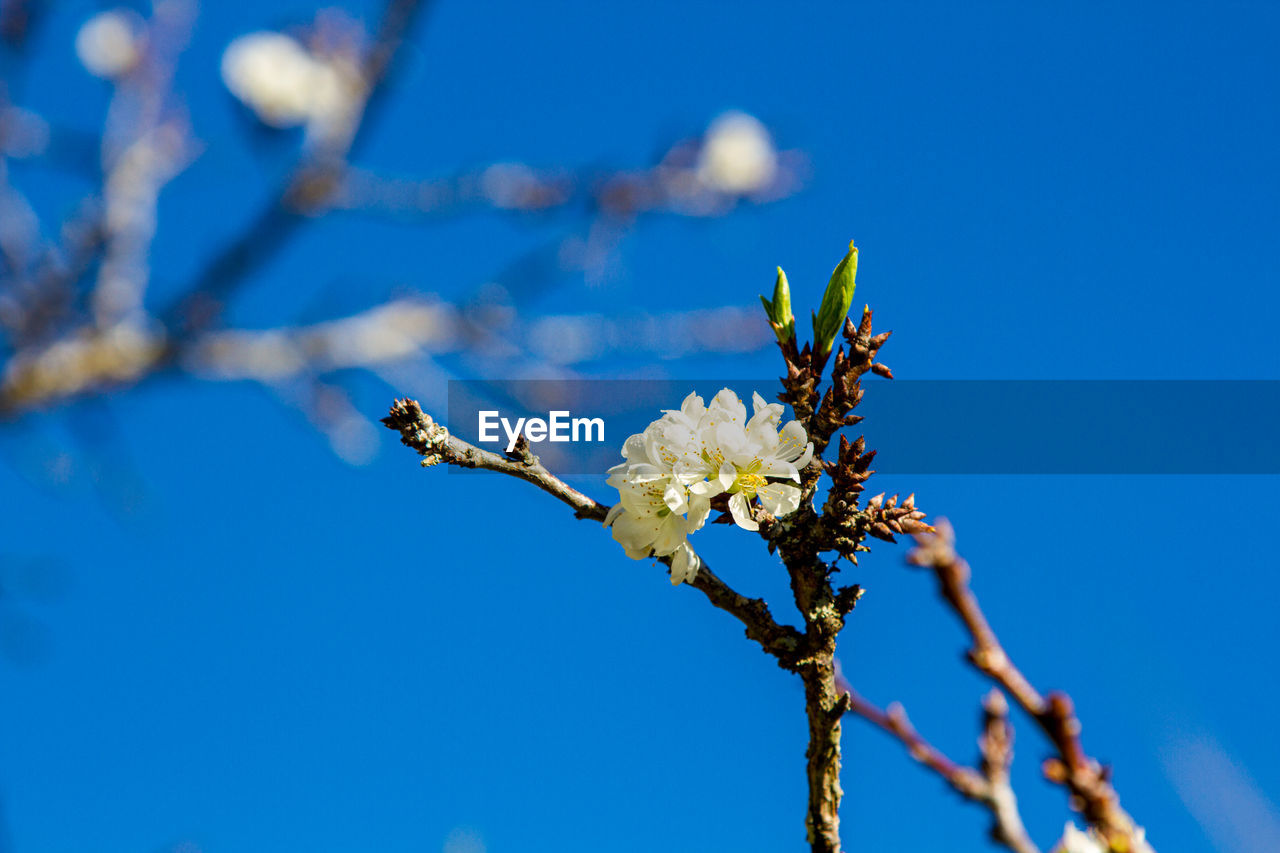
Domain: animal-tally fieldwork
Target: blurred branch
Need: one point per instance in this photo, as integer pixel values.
(388, 332)
(673, 186)
(307, 189)
(74, 318)
(988, 785)
(1088, 781)
(15, 20)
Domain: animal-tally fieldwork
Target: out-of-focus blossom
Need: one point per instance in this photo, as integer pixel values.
(1076, 840)
(109, 44)
(738, 156)
(283, 83)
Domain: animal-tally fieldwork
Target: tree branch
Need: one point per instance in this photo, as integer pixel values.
(434, 443)
(988, 786)
(799, 542)
(1084, 777)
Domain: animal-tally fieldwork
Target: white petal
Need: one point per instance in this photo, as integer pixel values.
(612, 515)
(617, 475)
(635, 535)
(728, 404)
(673, 497)
(772, 467)
(763, 441)
(727, 474)
(670, 535)
(731, 439)
(707, 488)
(684, 564)
(689, 471)
(643, 472)
(742, 512)
(699, 509)
(792, 439)
(779, 499)
(633, 447)
(766, 413)
(806, 457)
(641, 504)
(692, 406)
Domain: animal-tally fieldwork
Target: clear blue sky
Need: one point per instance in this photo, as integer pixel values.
(281, 652)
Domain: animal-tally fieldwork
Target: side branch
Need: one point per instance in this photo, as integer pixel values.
(434, 443)
(1084, 777)
(987, 785)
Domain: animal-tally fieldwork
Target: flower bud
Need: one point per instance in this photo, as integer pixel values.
(835, 303)
(779, 310)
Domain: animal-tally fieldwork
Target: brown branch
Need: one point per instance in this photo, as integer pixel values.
(1088, 781)
(825, 709)
(996, 745)
(799, 541)
(435, 445)
(988, 786)
(965, 780)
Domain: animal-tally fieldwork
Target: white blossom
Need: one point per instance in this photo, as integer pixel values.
(749, 452)
(737, 156)
(107, 44)
(656, 512)
(693, 454)
(283, 83)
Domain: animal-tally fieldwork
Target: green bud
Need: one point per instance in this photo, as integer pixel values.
(782, 302)
(779, 310)
(835, 303)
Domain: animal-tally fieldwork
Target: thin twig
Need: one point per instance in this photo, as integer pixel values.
(988, 786)
(1088, 781)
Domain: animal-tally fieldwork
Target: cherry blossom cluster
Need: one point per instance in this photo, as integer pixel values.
(694, 454)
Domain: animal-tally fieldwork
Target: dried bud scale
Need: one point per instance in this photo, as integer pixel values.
(418, 430)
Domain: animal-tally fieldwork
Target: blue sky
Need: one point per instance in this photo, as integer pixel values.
(274, 650)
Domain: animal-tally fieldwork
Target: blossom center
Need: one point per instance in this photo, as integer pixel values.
(749, 480)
